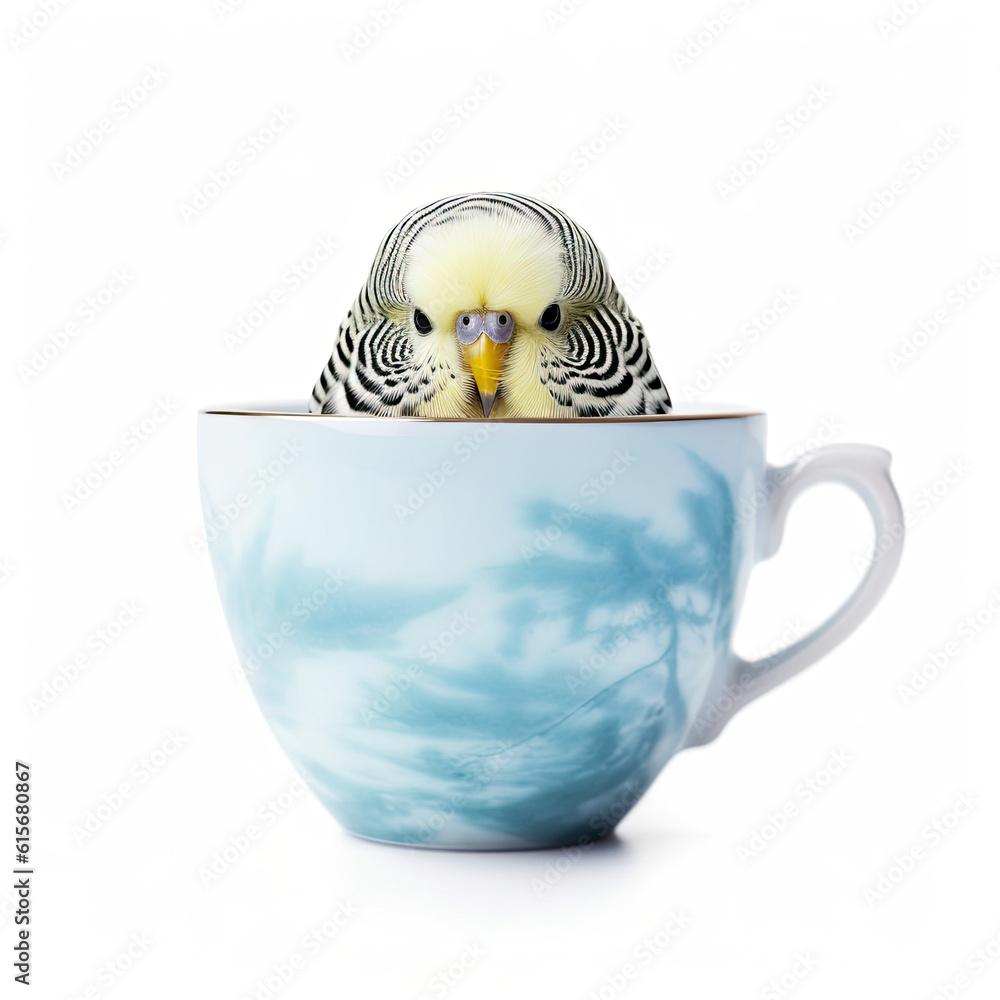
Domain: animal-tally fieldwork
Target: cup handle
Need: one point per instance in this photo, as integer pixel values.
(864, 469)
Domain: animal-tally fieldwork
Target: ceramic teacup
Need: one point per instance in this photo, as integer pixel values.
(494, 634)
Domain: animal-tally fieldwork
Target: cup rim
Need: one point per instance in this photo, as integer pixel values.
(284, 408)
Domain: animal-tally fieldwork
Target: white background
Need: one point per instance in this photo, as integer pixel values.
(647, 187)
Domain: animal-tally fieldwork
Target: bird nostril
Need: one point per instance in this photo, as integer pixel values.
(502, 319)
(465, 321)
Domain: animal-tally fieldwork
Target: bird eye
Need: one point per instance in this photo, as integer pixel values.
(551, 317)
(421, 321)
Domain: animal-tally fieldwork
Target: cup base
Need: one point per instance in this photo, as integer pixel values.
(607, 838)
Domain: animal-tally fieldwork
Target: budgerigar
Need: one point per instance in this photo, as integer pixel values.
(493, 305)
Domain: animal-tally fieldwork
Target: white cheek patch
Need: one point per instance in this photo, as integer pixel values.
(439, 348)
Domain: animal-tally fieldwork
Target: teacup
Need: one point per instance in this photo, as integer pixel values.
(493, 634)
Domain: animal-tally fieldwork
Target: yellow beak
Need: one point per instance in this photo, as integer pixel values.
(485, 358)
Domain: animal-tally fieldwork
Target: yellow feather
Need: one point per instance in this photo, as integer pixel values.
(522, 393)
(488, 262)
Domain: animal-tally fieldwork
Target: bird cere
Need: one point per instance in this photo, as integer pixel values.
(490, 305)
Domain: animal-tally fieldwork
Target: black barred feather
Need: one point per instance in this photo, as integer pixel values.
(597, 364)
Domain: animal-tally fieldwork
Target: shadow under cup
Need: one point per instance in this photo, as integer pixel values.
(481, 634)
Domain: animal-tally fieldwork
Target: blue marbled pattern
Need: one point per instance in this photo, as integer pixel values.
(511, 663)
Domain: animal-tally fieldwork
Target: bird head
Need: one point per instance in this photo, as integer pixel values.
(495, 305)
(485, 284)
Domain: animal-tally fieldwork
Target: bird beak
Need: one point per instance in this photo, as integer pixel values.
(485, 358)
(484, 338)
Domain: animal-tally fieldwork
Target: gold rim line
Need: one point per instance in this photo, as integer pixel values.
(633, 419)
